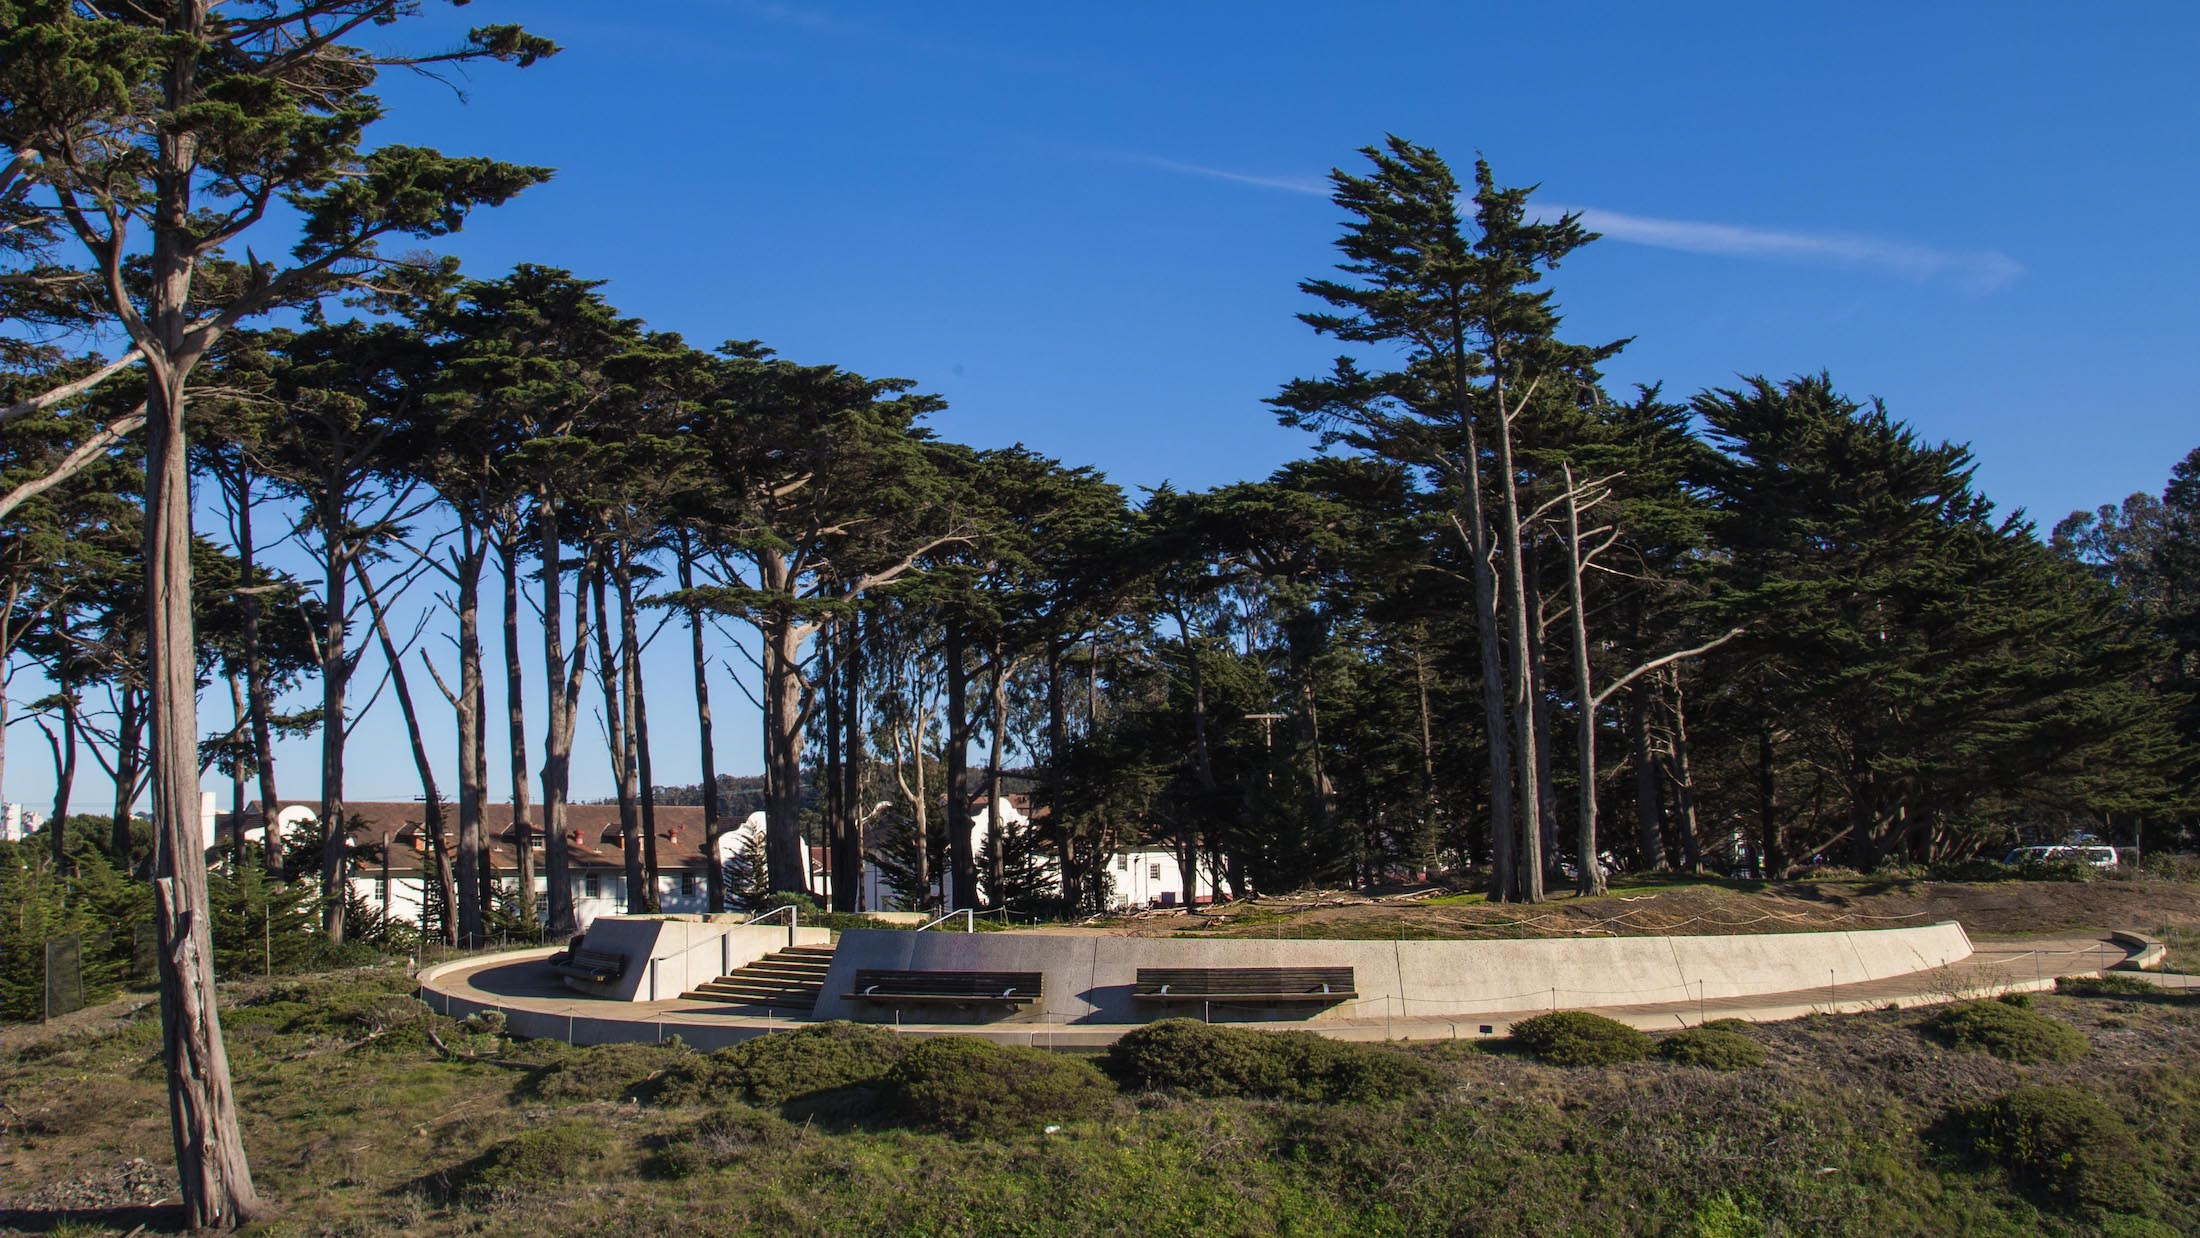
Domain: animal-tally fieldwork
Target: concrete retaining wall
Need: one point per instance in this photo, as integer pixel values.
(1089, 979)
(667, 956)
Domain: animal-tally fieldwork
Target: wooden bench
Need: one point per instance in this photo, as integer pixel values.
(600, 966)
(1266, 986)
(947, 988)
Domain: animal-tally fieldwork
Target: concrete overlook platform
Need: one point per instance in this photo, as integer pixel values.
(1407, 990)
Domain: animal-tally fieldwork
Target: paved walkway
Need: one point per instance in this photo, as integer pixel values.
(536, 1004)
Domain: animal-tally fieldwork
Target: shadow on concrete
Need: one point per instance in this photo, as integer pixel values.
(526, 978)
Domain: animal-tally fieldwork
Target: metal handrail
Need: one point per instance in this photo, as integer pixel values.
(794, 918)
(969, 915)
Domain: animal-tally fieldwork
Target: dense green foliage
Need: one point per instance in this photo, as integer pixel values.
(770, 1070)
(1207, 1059)
(2011, 1031)
(1712, 1048)
(1579, 1038)
(2063, 1142)
(530, 1162)
(973, 1088)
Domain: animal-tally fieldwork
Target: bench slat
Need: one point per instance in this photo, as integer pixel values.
(956, 987)
(1245, 984)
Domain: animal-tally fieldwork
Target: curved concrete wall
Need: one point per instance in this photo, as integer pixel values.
(668, 955)
(1089, 979)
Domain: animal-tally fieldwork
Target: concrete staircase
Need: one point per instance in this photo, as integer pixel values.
(788, 979)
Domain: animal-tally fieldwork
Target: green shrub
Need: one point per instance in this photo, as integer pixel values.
(2171, 866)
(2061, 1141)
(529, 1162)
(2106, 986)
(602, 1072)
(777, 1067)
(974, 1088)
(1711, 1048)
(2057, 870)
(726, 1137)
(2011, 1033)
(1729, 1025)
(485, 1022)
(1210, 1060)
(1976, 869)
(1579, 1038)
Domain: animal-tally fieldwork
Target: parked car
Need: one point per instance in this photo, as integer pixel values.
(2098, 857)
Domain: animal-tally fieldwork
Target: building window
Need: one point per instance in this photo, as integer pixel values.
(1153, 871)
(592, 885)
(1122, 864)
(687, 885)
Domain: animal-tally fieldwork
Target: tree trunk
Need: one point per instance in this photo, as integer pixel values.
(961, 857)
(240, 713)
(64, 773)
(562, 677)
(1768, 817)
(617, 714)
(832, 791)
(848, 865)
(1431, 825)
(995, 820)
(130, 768)
(1546, 762)
(1488, 629)
(430, 795)
(1588, 873)
(786, 856)
(637, 733)
(335, 678)
(257, 697)
(515, 717)
(1649, 799)
(1521, 685)
(476, 885)
(1684, 780)
(714, 875)
(215, 1178)
(1073, 894)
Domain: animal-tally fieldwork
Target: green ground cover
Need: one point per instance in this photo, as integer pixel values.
(357, 1123)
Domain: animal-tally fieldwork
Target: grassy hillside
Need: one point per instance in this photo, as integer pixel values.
(1882, 1123)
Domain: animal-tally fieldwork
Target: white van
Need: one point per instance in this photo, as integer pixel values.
(2098, 857)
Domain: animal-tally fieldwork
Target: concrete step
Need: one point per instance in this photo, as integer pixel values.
(789, 979)
(780, 1001)
(791, 967)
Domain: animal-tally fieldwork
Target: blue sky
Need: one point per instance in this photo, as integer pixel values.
(1083, 225)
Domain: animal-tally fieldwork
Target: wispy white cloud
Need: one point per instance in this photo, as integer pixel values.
(1287, 184)
(1976, 270)
(779, 14)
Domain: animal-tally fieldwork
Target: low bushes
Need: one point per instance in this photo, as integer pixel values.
(1210, 1060)
(2012, 1033)
(1711, 1048)
(2105, 986)
(726, 1137)
(528, 1162)
(776, 1068)
(2060, 1141)
(1578, 1038)
(2171, 866)
(974, 1088)
(595, 1072)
